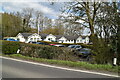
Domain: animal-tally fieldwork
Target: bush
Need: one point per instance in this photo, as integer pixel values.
(47, 52)
(10, 47)
(38, 51)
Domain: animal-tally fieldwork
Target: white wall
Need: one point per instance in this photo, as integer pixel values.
(70, 41)
(64, 40)
(50, 37)
(34, 37)
(79, 40)
(87, 40)
(21, 38)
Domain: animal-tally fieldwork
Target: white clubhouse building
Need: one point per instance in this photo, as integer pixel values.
(27, 37)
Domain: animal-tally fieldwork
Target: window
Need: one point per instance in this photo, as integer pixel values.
(49, 39)
(31, 38)
(77, 40)
(37, 38)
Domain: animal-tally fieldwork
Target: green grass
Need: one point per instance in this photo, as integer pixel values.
(83, 65)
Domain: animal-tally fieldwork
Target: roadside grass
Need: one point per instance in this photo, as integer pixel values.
(82, 65)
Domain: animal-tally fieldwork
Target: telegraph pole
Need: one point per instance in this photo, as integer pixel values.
(38, 28)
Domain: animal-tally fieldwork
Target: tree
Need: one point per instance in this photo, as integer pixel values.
(39, 20)
(108, 22)
(84, 11)
(99, 18)
(26, 15)
(73, 29)
(53, 30)
(11, 25)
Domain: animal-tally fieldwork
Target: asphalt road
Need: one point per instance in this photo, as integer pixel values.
(16, 69)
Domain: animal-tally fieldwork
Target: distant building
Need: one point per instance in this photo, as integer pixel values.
(26, 37)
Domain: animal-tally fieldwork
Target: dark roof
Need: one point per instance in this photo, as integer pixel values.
(58, 36)
(83, 37)
(25, 35)
(43, 36)
(71, 37)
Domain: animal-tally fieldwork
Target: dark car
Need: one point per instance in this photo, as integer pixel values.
(84, 52)
(77, 47)
(39, 43)
(32, 42)
(42, 43)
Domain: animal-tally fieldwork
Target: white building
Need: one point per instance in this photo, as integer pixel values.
(50, 37)
(74, 39)
(27, 37)
(83, 39)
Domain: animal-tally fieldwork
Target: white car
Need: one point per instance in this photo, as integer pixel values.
(59, 45)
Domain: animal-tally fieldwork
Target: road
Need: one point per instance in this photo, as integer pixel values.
(18, 69)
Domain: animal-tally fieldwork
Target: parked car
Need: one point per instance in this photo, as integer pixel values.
(9, 39)
(52, 44)
(75, 46)
(32, 42)
(42, 43)
(59, 45)
(84, 52)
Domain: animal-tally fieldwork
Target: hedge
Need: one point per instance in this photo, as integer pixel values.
(47, 52)
(10, 47)
(38, 51)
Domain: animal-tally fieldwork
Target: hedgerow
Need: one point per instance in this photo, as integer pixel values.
(38, 51)
(10, 47)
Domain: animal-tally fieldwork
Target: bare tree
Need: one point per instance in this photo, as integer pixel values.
(82, 13)
(27, 14)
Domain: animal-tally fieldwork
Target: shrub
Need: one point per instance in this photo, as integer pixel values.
(38, 51)
(47, 52)
(10, 47)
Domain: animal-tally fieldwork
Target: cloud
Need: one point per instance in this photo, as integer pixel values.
(45, 9)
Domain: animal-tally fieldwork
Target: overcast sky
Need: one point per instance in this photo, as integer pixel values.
(51, 11)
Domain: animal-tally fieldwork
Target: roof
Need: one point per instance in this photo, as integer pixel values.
(25, 35)
(43, 36)
(71, 37)
(58, 36)
(83, 37)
